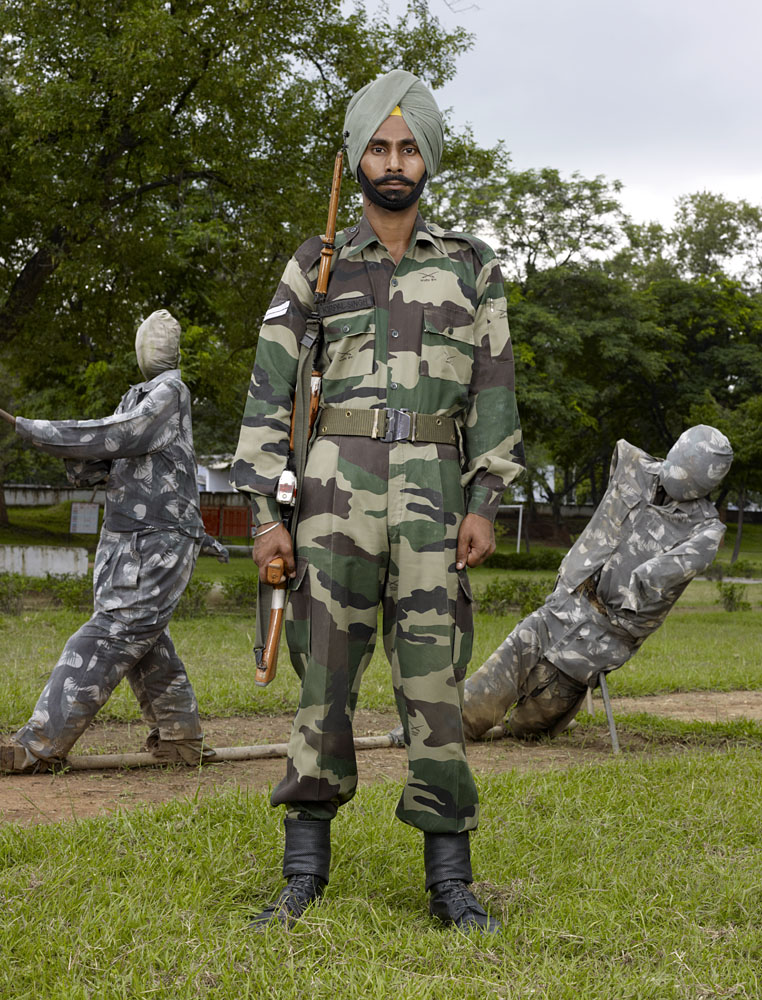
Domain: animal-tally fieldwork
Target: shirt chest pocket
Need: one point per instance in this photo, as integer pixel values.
(447, 346)
(348, 353)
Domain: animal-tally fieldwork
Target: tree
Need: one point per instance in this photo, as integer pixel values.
(546, 221)
(588, 356)
(713, 234)
(171, 154)
(743, 427)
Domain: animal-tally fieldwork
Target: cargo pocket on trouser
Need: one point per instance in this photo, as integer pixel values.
(117, 572)
(298, 614)
(463, 630)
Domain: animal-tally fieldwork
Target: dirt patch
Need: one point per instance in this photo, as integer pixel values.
(699, 706)
(33, 799)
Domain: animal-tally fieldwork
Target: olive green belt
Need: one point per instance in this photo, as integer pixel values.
(388, 425)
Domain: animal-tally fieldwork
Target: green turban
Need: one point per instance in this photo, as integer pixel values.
(373, 104)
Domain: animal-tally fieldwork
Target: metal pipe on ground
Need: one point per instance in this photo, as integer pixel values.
(111, 761)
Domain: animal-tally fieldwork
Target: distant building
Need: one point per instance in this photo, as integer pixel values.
(213, 474)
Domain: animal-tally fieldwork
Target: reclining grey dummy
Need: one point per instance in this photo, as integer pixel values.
(651, 534)
(151, 536)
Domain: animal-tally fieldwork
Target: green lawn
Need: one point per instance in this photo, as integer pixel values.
(635, 879)
(700, 647)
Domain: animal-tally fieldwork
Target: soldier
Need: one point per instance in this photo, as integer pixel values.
(417, 439)
(152, 532)
(652, 533)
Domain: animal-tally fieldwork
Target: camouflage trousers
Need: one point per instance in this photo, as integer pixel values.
(378, 525)
(138, 580)
(544, 668)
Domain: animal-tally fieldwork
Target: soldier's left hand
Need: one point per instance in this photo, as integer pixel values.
(8, 418)
(476, 541)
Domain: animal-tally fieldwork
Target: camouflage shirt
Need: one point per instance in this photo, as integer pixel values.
(429, 335)
(144, 452)
(641, 549)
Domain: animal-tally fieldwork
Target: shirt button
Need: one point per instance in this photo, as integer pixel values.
(393, 385)
(394, 282)
(345, 329)
(395, 333)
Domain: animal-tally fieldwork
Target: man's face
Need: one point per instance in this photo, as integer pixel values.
(392, 161)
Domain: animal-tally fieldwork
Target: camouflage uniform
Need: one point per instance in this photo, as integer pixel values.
(379, 521)
(152, 532)
(615, 587)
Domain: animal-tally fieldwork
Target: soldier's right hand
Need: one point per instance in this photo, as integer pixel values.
(273, 544)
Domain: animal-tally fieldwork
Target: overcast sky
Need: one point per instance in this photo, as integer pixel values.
(662, 94)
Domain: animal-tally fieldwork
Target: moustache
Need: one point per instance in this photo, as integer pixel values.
(396, 178)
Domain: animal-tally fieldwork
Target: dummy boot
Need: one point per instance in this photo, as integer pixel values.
(447, 860)
(192, 752)
(306, 864)
(15, 759)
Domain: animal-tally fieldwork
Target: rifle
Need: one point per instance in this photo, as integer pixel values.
(304, 412)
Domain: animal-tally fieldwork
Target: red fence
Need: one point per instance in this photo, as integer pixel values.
(227, 522)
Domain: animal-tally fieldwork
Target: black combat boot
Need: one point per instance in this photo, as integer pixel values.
(447, 860)
(306, 864)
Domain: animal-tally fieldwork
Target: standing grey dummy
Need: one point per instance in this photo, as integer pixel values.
(151, 536)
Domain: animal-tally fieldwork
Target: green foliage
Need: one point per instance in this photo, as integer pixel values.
(538, 558)
(157, 154)
(747, 568)
(544, 221)
(240, 592)
(75, 593)
(741, 567)
(11, 592)
(193, 603)
(732, 596)
(523, 593)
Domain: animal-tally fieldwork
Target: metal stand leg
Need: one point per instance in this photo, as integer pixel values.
(609, 713)
(589, 702)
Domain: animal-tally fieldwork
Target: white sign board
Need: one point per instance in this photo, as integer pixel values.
(84, 518)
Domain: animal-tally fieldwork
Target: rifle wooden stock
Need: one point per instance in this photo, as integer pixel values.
(268, 664)
(330, 230)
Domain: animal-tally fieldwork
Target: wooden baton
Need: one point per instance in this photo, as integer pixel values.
(268, 664)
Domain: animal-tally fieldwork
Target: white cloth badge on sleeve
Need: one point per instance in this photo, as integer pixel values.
(274, 312)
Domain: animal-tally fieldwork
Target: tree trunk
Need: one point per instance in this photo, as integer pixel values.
(739, 528)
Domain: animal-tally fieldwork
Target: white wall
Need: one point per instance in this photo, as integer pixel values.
(39, 560)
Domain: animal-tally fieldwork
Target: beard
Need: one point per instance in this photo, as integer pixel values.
(395, 200)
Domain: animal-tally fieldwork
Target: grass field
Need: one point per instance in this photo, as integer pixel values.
(700, 647)
(633, 879)
(636, 879)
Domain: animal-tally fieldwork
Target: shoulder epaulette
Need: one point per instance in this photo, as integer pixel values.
(308, 254)
(484, 251)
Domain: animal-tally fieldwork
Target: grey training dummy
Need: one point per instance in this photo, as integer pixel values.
(151, 536)
(651, 534)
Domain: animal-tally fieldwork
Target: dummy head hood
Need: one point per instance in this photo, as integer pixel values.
(157, 344)
(697, 462)
(373, 104)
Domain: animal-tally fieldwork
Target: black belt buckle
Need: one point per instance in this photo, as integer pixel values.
(399, 423)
